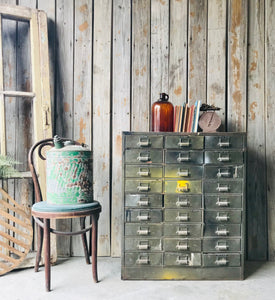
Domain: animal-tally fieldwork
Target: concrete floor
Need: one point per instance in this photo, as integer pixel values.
(72, 279)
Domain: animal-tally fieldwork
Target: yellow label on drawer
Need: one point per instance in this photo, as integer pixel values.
(183, 186)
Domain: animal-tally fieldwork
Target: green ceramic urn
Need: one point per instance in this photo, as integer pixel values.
(69, 173)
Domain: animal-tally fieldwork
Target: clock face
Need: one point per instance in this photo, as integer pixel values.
(209, 121)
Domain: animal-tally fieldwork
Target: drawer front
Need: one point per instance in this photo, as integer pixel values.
(182, 215)
(221, 260)
(143, 244)
(182, 201)
(140, 259)
(182, 245)
(184, 171)
(224, 172)
(184, 142)
(222, 202)
(184, 157)
(223, 186)
(143, 215)
(183, 230)
(183, 186)
(182, 259)
(143, 171)
(143, 156)
(143, 201)
(221, 245)
(223, 157)
(143, 186)
(223, 216)
(224, 142)
(143, 141)
(143, 230)
(222, 230)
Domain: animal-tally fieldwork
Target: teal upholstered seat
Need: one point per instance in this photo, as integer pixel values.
(43, 206)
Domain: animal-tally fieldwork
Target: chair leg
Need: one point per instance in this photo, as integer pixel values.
(84, 241)
(90, 238)
(39, 247)
(94, 246)
(47, 254)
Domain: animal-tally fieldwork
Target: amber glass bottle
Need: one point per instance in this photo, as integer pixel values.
(162, 114)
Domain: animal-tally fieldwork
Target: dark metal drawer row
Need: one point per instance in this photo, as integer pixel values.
(184, 142)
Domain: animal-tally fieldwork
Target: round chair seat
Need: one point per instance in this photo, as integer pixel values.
(43, 206)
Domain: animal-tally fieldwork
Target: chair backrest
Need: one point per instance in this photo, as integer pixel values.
(38, 147)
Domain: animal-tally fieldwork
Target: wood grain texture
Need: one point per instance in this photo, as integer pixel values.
(102, 117)
(178, 51)
(121, 110)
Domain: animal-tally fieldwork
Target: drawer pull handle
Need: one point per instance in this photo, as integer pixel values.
(223, 158)
(182, 260)
(183, 158)
(143, 231)
(143, 188)
(182, 218)
(183, 173)
(143, 158)
(223, 144)
(143, 173)
(221, 261)
(184, 232)
(144, 142)
(182, 143)
(183, 203)
(222, 218)
(223, 188)
(143, 217)
(182, 246)
(223, 173)
(222, 232)
(143, 246)
(143, 202)
(183, 188)
(222, 203)
(143, 261)
(222, 247)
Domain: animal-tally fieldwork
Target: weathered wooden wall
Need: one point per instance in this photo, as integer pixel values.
(111, 58)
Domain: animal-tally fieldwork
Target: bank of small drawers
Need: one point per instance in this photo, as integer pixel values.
(183, 205)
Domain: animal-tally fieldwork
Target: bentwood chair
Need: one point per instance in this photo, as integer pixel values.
(43, 212)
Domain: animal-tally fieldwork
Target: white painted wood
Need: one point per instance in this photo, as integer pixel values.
(141, 106)
(121, 110)
(237, 67)
(178, 51)
(159, 48)
(216, 57)
(101, 117)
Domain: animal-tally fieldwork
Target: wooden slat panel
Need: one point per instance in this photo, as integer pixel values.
(101, 117)
(197, 51)
(24, 13)
(216, 57)
(82, 88)
(159, 47)
(178, 52)
(121, 110)
(140, 65)
(270, 123)
(237, 69)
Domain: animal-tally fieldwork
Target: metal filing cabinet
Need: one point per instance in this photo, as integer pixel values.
(184, 205)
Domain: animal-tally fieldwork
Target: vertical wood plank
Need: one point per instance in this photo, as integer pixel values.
(101, 117)
(270, 123)
(140, 65)
(64, 90)
(178, 52)
(82, 88)
(197, 51)
(121, 110)
(159, 47)
(256, 184)
(237, 66)
(216, 57)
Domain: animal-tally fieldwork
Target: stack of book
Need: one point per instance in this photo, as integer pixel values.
(186, 118)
